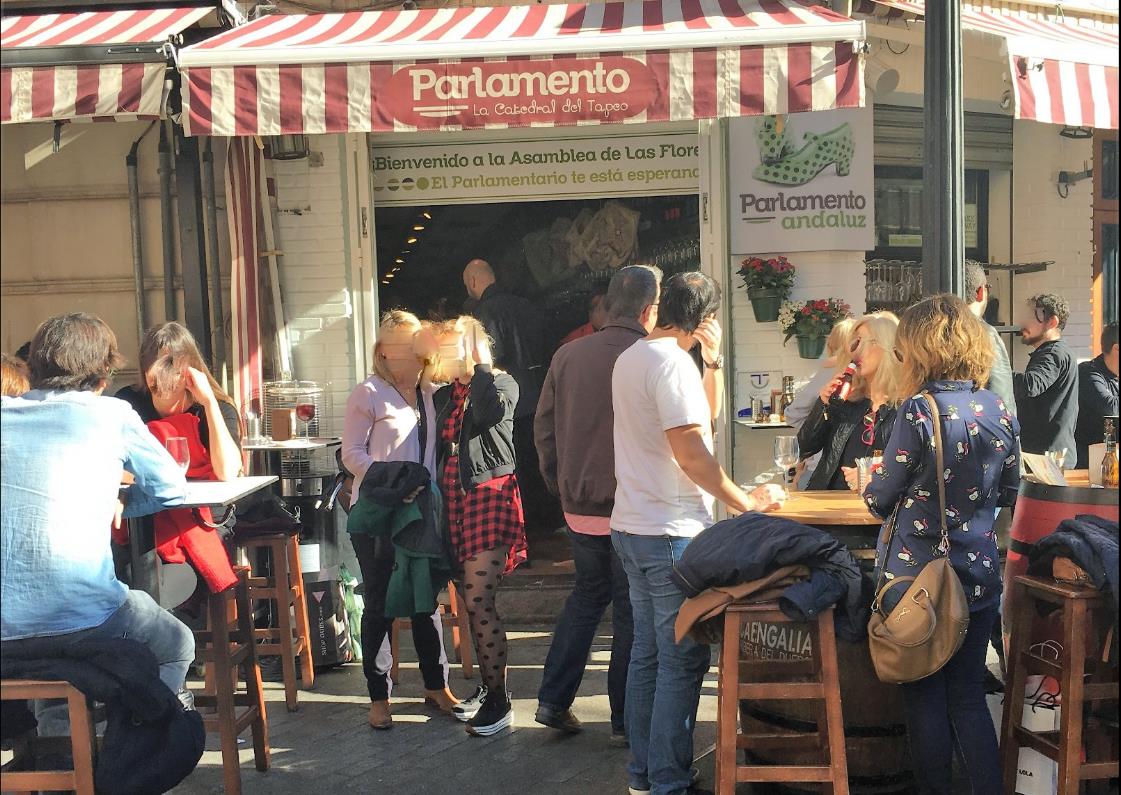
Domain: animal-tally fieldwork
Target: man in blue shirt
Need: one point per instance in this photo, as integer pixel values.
(63, 447)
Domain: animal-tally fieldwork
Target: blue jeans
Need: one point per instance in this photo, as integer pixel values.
(600, 581)
(947, 712)
(664, 681)
(138, 618)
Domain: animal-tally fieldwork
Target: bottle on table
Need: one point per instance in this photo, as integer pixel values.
(1110, 474)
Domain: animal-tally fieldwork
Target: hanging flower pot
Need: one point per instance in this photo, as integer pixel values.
(811, 347)
(768, 282)
(765, 304)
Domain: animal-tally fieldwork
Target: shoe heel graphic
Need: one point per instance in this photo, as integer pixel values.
(835, 147)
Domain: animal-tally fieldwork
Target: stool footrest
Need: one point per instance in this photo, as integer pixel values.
(778, 775)
(775, 741)
(1100, 691)
(798, 691)
(1096, 770)
(1046, 743)
(1039, 665)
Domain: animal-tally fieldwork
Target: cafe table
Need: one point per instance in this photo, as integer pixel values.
(220, 495)
(842, 514)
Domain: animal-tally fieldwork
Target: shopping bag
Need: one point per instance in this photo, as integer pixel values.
(326, 606)
(354, 607)
(1035, 773)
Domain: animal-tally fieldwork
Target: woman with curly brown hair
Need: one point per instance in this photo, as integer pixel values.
(944, 352)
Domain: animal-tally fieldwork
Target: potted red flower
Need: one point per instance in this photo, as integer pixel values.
(811, 323)
(769, 282)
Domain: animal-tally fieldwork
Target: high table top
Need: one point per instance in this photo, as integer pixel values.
(292, 445)
(827, 508)
(223, 493)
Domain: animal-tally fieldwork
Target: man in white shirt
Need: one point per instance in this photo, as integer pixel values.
(667, 480)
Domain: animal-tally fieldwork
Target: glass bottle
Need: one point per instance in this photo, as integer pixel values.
(787, 393)
(1110, 473)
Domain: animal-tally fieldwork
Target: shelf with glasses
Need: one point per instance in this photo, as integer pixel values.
(762, 426)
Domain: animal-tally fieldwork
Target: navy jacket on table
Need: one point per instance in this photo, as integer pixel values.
(1047, 399)
(1097, 399)
(749, 546)
(981, 458)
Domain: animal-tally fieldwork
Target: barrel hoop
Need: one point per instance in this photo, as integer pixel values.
(808, 727)
(1076, 495)
(1020, 547)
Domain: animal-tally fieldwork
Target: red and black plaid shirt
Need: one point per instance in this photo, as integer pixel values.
(487, 516)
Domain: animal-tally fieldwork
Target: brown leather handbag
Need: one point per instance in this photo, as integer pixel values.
(928, 625)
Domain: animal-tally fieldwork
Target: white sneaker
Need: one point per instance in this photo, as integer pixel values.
(466, 709)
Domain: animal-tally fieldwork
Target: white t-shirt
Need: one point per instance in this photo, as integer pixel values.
(655, 387)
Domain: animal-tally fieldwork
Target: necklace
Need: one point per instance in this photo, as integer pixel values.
(405, 400)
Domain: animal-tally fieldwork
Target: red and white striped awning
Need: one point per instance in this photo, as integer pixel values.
(538, 65)
(106, 81)
(1061, 73)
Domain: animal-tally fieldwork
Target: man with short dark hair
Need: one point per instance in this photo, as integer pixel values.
(573, 431)
(1097, 395)
(1047, 390)
(667, 478)
(977, 297)
(63, 449)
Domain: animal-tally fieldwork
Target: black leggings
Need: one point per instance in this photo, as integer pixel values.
(377, 568)
(481, 575)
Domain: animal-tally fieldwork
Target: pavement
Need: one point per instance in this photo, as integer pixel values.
(326, 747)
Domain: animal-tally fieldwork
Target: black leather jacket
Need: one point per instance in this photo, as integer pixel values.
(828, 429)
(516, 329)
(486, 441)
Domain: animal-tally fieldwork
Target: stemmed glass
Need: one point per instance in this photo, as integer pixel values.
(786, 456)
(305, 413)
(177, 447)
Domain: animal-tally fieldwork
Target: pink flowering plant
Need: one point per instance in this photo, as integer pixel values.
(814, 318)
(776, 273)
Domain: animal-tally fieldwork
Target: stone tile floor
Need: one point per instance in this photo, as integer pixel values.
(326, 747)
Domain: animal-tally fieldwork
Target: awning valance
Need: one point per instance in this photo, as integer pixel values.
(539, 65)
(89, 65)
(1061, 73)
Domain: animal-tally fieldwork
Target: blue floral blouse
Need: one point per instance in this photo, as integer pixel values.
(981, 459)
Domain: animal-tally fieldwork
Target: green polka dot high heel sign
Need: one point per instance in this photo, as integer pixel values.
(802, 182)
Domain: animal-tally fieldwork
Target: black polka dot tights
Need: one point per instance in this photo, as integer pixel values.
(481, 575)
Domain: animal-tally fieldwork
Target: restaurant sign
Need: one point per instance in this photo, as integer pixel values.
(415, 171)
(802, 182)
(520, 92)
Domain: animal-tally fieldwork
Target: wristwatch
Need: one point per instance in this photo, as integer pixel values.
(716, 365)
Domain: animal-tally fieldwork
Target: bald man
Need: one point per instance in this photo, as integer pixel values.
(516, 328)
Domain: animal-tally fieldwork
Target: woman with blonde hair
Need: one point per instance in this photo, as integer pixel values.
(175, 380)
(390, 419)
(944, 352)
(486, 526)
(845, 430)
(836, 359)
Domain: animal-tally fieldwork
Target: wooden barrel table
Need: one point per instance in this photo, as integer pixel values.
(1039, 510)
(875, 734)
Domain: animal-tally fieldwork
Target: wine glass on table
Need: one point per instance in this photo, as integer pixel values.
(786, 456)
(177, 447)
(305, 413)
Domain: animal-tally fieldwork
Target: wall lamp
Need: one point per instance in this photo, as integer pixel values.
(1076, 133)
(1068, 178)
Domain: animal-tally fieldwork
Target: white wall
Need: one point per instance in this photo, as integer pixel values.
(758, 347)
(1048, 227)
(314, 269)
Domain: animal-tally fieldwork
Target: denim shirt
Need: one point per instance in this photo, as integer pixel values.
(981, 462)
(61, 457)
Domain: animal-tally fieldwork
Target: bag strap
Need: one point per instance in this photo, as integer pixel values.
(940, 477)
(421, 425)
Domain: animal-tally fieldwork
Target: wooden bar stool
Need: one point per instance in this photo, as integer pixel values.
(736, 683)
(229, 647)
(284, 588)
(451, 615)
(82, 742)
(1066, 745)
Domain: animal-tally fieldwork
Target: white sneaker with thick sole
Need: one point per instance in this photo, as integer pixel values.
(466, 709)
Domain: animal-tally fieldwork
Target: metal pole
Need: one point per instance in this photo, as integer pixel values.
(943, 248)
(167, 226)
(216, 299)
(131, 166)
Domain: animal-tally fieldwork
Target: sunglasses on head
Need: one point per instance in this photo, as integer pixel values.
(857, 343)
(898, 355)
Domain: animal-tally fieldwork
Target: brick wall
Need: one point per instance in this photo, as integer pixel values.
(758, 348)
(314, 270)
(1048, 227)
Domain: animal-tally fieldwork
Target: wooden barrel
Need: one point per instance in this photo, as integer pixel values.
(1039, 510)
(875, 735)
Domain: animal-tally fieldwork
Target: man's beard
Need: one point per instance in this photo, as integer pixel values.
(1031, 341)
